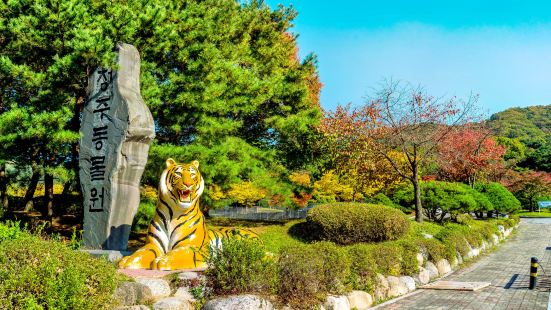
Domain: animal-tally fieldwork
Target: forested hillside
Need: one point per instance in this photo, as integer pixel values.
(530, 127)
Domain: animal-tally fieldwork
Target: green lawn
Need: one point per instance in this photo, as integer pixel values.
(534, 214)
(273, 234)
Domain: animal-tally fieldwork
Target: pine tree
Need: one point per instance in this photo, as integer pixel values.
(47, 49)
(222, 79)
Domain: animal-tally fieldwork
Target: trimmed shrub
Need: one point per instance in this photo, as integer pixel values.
(503, 200)
(453, 238)
(41, 274)
(241, 266)
(347, 223)
(441, 198)
(363, 269)
(433, 247)
(309, 272)
(408, 262)
(464, 219)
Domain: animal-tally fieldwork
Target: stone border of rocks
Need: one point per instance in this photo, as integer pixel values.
(157, 291)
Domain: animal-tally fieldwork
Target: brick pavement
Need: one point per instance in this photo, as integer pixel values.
(507, 268)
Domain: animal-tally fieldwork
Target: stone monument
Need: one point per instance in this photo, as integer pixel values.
(116, 131)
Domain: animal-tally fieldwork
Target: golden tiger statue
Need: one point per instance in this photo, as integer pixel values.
(177, 236)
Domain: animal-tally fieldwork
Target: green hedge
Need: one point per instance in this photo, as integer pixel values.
(347, 223)
(306, 273)
(45, 274)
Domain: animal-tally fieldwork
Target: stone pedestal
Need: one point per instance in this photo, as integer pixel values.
(116, 131)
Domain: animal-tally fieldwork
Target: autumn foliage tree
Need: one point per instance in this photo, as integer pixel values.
(405, 119)
(467, 152)
(529, 186)
(352, 155)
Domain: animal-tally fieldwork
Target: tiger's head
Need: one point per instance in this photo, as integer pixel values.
(182, 183)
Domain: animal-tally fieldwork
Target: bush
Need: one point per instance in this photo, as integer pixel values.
(308, 273)
(464, 218)
(408, 262)
(144, 215)
(347, 223)
(503, 200)
(453, 238)
(433, 247)
(39, 274)
(241, 266)
(363, 269)
(9, 231)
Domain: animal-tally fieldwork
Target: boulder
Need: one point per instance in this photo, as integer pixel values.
(431, 268)
(159, 287)
(495, 239)
(359, 300)
(485, 245)
(172, 303)
(239, 302)
(131, 293)
(136, 307)
(336, 303)
(501, 229)
(473, 252)
(420, 259)
(409, 282)
(381, 288)
(423, 277)
(397, 287)
(184, 293)
(427, 236)
(508, 232)
(188, 276)
(443, 267)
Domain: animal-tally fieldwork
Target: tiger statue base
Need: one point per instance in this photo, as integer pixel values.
(178, 237)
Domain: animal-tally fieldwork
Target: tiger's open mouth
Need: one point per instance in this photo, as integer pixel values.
(184, 195)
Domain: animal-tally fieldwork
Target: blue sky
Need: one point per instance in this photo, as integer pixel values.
(500, 50)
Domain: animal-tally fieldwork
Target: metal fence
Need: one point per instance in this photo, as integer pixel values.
(260, 213)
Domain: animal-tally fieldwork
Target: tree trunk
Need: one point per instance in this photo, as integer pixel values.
(75, 126)
(3, 190)
(48, 194)
(28, 199)
(417, 194)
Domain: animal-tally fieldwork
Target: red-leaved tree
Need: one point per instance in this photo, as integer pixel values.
(468, 152)
(406, 119)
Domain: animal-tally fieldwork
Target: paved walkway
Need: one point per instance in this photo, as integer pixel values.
(507, 269)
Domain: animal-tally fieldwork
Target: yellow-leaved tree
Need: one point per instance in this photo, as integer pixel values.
(246, 193)
(330, 188)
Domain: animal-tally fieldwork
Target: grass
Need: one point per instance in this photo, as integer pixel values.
(543, 213)
(274, 235)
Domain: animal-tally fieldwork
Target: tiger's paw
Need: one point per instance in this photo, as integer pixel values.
(179, 259)
(141, 259)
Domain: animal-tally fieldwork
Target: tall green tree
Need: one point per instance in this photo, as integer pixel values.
(222, 79)
(47, 49)
(232, 93)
